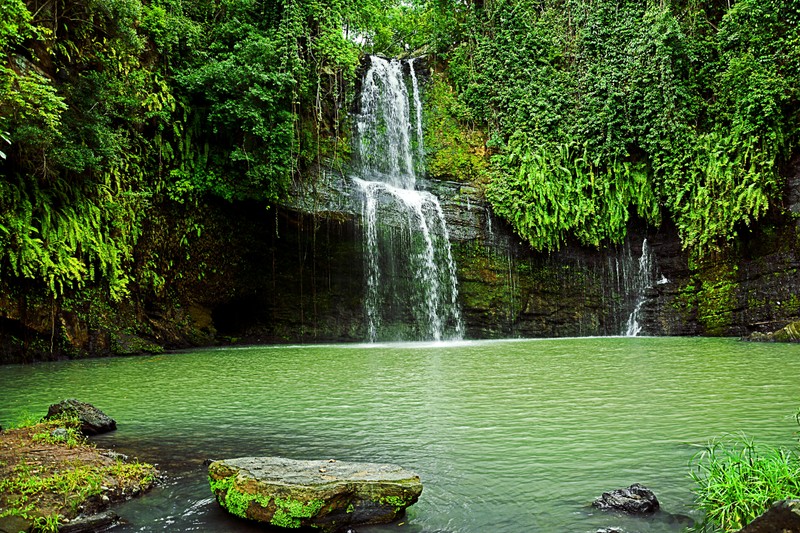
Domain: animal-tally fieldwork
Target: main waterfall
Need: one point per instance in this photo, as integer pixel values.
(411, 286)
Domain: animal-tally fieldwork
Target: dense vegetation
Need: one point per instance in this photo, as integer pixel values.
(108, 109)
(576, 115)
(600, 111)
(50, 473)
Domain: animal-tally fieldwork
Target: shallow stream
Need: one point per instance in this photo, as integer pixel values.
(507, 436)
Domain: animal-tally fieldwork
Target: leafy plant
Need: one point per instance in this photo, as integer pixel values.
(685, 111)
(737, 480)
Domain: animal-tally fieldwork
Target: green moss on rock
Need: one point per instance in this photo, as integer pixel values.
(290, 511)
(323, 494)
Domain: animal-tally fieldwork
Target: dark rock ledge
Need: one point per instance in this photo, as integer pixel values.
(783, 517)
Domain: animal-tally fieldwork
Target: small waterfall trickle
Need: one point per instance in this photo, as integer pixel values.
(643, 278)
(410, 275)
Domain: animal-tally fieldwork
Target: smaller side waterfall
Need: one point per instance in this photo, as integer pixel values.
(644, 278)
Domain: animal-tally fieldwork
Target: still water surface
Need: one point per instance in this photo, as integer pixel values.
(507, 436)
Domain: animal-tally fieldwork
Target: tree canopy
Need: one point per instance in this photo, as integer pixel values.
(109, 107)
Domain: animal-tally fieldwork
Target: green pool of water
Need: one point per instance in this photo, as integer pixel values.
(507, 436)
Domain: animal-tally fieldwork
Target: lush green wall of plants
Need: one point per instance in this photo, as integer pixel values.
(110, 108)
(598, 111)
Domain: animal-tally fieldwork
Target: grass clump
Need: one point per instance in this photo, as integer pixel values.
(738, 480)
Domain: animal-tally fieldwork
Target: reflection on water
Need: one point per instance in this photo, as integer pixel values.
(507, 436)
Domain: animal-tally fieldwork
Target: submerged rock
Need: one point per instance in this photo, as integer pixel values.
(636, 499)
(783, 516)
(327, 494)
(93, 420)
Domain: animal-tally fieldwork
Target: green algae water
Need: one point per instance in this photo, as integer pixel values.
(507, 436)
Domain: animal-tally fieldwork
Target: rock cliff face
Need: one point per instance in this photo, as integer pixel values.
(296, 274)
(507, 290)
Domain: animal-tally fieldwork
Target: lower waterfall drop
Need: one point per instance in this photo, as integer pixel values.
(410, 275)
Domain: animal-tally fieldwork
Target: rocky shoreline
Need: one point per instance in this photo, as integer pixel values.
(53, 479)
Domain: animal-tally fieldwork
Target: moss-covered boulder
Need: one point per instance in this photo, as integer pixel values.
(326, 494)
(93, 420)
(789, 333)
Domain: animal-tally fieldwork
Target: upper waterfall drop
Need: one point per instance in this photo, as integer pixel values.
(383, 126)
(410, 275)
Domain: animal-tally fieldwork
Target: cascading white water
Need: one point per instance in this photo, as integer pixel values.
(410, 275)
(640, 280)
(383, 126)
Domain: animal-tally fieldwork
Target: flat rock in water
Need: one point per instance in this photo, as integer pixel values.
(636, 499)
(93, 420)
(326, 494)
(783, 516)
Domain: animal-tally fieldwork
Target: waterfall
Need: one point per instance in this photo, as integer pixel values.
(410, 275)
(640, 280)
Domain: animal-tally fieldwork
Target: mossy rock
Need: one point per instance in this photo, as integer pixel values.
(325, 494)
(789, 333)
(93, 420)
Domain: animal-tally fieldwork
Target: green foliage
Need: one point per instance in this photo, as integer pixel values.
(71, 438)
(234, 501)
(26, 419)
(736, 480)
(456, 149)
(15, 23)
(261, 95)
(398, 502)
(71, 197)
(559, 192)
(592, 113)
(48, 523)
(289, 511)
(30, 485)
(685, 110)
(108, 108)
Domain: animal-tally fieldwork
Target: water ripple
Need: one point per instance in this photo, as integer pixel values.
(507, 436)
